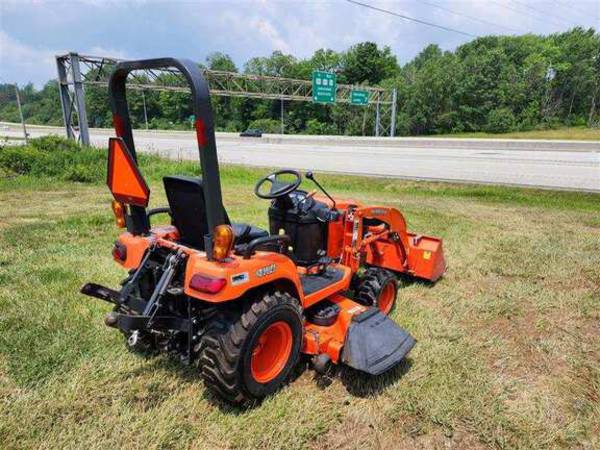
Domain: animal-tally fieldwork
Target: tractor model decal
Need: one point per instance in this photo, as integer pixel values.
(267, 270)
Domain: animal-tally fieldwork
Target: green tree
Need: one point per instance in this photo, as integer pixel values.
(220, 61)
(492, 82)
(365, 62)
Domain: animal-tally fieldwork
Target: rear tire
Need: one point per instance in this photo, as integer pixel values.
(377, 287)
(246, 356)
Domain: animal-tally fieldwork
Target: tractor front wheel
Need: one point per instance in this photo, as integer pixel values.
(377, 287)
(246, 356)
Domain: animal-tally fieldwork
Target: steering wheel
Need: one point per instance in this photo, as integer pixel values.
(278, 188)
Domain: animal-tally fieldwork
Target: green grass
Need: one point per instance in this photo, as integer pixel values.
(507, 353)
(567, 133)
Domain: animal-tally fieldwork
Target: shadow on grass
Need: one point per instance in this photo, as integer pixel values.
(228, 408)
(405, 281)
(357, 383)
(188, 373)
(360, 384)
(160, 361)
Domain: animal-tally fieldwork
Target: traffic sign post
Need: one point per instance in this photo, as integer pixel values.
(359, 97)
(324, 87)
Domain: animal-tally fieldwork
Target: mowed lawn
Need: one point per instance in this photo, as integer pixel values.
(508, 352)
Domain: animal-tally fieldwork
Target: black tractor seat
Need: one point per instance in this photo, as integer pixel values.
(245, 233)
(188, 213)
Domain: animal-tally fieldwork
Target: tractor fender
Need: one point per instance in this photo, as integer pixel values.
(242, 275)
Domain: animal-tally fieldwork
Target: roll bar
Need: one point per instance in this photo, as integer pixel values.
(205, 133)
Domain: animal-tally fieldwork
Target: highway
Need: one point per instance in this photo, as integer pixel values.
(570, 165)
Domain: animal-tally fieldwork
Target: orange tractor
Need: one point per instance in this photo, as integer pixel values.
(246, 303)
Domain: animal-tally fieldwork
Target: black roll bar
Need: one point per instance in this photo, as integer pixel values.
(205, 133)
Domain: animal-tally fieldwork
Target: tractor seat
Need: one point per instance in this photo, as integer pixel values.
(244, 233)
(188, 212)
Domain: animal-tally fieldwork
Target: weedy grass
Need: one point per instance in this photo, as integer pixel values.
(507, 353)
(564, 133)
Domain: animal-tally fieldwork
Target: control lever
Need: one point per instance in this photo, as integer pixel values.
(311, 177)
(320, 267)
(306, 203)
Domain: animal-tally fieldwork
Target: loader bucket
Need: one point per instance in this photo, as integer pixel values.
(374, 343)
(426, 257)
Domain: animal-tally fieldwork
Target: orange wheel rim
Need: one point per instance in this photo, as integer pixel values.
(386, 298)
(271, 352)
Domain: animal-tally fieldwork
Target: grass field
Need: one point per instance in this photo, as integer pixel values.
(508, 352)
(567, 133)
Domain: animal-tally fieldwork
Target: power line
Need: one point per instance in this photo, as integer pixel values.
(579, 11)
(543, 13)
(503, 5)
(476, 19)
(412, 19)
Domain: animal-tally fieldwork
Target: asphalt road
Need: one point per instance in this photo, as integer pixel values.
(572, 165)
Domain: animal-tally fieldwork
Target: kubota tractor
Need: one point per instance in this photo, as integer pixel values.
(245, 303)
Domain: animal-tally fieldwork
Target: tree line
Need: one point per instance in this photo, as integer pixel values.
(493, 83)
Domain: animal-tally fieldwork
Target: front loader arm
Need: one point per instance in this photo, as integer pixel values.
(378, 233)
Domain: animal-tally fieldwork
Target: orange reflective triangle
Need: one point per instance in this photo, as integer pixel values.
(124, 178)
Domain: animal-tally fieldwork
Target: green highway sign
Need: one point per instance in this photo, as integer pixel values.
(359, 97)
(324, 87)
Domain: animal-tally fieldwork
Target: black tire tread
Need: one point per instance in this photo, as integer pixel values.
(370, 284)
(221, 346)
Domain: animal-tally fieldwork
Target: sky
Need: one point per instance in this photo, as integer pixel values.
(33, 32)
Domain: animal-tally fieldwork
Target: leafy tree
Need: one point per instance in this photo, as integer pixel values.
(276, 65)
(490, 83)
(220, 61)
(500, 120)
(366, 63)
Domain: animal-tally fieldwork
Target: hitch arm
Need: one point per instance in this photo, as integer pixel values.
(171, 265)
(132, 281)
(102, 293)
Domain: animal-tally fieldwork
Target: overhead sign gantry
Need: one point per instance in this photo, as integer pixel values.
(77, 71)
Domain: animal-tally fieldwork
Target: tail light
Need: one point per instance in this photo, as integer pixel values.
(119, 252)
(119, 212)
(222, 241)
(210, 285)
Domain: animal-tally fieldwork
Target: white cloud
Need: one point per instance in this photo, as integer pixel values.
(23, 63)
(98, 50)
(32, 32)
(269, 32)
(16, 57)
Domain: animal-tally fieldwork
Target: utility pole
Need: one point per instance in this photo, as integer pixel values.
(393, 123)
(377, 119)
(282, 128)
(21, 113)
(145, 112)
